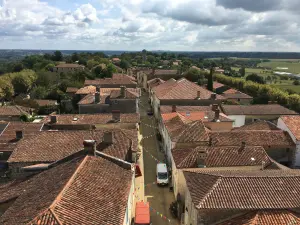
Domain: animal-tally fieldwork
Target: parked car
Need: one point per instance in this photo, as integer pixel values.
(162, 177)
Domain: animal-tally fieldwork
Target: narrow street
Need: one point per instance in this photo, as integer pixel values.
(159, 198)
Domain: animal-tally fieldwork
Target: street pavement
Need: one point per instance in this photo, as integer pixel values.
(159, 198)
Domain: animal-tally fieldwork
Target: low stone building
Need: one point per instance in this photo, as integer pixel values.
(13, 112)
(232, 197)
(67, 68)
(244, 114)
(100, 184)
(181, 92)
(51, 146)
(291, 124)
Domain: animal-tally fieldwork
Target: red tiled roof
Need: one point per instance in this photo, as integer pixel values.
(50, 146)
(68, 65)
(179, 108)
(86, 90)
(258, 125)
(155, 82)
(254, 138)
(217, 85)
(205, 116)
(181, 130)
(103, 118)
(230, 91)
(237, 95)
(121, 79)
(8, 137)
(86, 190)
(248, 189)
(129, 94)
(270, 109)
(13, 110)
(90, 99)
(181, 89)
(45, 102)
(221, 156)
(293, 124)
(71, 90)
(264, 217)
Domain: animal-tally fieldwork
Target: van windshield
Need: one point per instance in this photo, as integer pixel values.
(163, 176)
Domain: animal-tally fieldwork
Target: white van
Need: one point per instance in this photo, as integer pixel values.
(162, 174)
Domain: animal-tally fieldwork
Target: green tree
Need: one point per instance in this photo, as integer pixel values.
(255, 78)
(210, 80)
(18, 67)
(296, 82)
(91, 63)
(6, 88)
(192, 74)
(38, 92)
(75, 57)
(23, 81)
(124, 64)
(242, 71)
(57, 56)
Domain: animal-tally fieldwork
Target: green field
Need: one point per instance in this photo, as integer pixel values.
(293, 66)
(290, 86)
(258, 71)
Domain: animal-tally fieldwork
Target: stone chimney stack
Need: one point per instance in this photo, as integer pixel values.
(242, 148)
(217, 115)
(108, 137)
(173, 108)
(263, 164)
(97, 97)
(213, 96)
(214, 107)
(198, 95)
(123, 91)
(19, 134)
(89, 146)
(53, 119)
(116, 115)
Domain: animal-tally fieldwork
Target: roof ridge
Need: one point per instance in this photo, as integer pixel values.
(43, 212)
(67, 185)
(210, 192)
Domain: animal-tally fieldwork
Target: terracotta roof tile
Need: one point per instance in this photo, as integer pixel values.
(60, 194)
(219, 156)
(103, 118)
(264, 217)
(237, 95)
(13, 110)
(217, 85)
(90, 99)
(253, 138)
(86, 90)
(121, 79)
(8, 139)
(45, 102)
(270, 109)
(50, 146)
(258, 125)
(230, 91)
(179, 108)
(293, 124)
(129, 94)
(181, 89)
(155, 82)
(248, 189)
(181, 130)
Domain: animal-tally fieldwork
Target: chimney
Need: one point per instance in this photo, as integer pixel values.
(123, 90)
(198, 95)
(201, 157)
(242, 148)
(214, 107)
(263, 164)
(97, 97)
(213, 96)
(19, 134)
(89, 146)
(173, 108)
(108, 137)
(97, 88)
(217, 115)
(116, 115)
(53, 119)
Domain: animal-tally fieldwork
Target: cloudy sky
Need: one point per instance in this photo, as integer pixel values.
(191, 25)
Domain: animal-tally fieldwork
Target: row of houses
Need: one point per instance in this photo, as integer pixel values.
(230, 164)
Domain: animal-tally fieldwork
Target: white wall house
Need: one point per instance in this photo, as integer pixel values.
(238, 120)
(291, 124)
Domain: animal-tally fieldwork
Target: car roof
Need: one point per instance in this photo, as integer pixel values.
(162, 167)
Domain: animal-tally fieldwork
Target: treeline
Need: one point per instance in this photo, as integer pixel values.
(261, 93)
